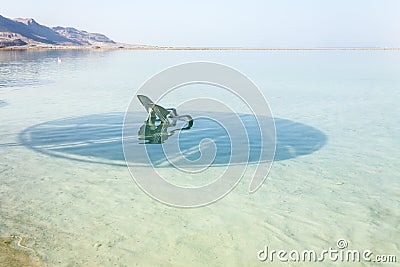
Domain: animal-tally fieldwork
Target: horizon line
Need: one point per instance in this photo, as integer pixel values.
(121, 46)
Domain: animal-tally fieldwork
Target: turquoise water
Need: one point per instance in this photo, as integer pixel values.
(65, 186)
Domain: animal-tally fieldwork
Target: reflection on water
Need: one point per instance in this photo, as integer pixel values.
(3, 103)
(156, 133)
(21, 68)
(97, 139)
(161, 123)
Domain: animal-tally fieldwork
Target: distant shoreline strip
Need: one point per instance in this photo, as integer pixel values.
(191, 48)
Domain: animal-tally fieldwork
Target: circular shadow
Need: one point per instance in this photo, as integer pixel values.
(97, 138)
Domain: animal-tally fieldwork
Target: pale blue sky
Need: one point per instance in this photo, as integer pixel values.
(279, 23)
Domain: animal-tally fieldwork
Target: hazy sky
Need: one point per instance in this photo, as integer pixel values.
(278, 23)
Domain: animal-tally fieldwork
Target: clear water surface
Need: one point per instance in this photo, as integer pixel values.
(65, 187)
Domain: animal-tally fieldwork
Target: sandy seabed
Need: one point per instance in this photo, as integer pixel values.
(91, 213)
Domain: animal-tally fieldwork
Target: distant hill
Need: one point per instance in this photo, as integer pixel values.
(83, 37)
(20, 32)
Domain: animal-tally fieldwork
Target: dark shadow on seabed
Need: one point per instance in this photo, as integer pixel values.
(97, 139)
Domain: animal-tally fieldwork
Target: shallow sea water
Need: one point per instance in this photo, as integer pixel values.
(64, 184)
